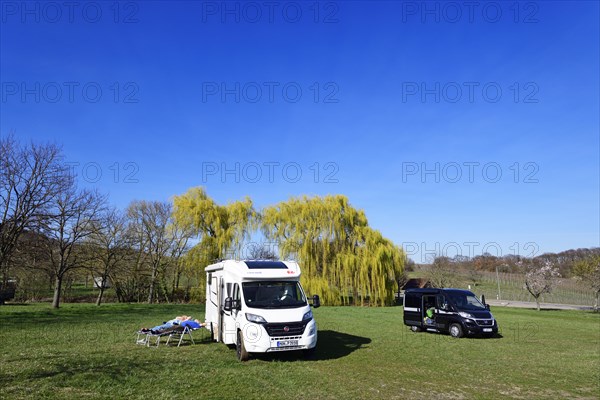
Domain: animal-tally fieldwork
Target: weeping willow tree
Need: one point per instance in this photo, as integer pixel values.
(220, 229)
(343, 259)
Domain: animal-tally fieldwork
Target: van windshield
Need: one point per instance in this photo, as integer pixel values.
(466, 301)
(273, 294)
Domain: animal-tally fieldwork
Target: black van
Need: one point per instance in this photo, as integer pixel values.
(456, 311)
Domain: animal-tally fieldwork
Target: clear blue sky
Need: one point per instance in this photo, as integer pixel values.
(388, 89)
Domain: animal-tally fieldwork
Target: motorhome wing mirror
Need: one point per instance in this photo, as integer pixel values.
(487, 307)
(316, 302)
(228, 305)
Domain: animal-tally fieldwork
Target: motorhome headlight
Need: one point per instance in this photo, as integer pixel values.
(255, 318)
(307, 316)
(491, 316)
(465, 314)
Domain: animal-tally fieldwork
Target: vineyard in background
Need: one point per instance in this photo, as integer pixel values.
(568, 291)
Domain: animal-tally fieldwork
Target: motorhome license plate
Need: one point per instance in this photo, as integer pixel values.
(285, 343)
(487, 329)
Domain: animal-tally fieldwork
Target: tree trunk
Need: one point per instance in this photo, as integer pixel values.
(99, 299)
(166, 290)
(57, 290)
(537, 302)
(152, 284)
(102, 284)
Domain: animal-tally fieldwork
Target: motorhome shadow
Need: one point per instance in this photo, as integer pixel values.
(455, 311)
(260, 307)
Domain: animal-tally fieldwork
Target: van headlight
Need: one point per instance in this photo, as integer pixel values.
(257, 319)
(465, 314)
(307, 316)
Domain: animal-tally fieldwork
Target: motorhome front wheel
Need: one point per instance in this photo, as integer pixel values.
(242, 354)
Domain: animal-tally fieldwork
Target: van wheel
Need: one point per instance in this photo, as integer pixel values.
(456, 330)
(240, 348)
(415, 329)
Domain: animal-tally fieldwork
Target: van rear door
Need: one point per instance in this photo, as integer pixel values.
(412, 309)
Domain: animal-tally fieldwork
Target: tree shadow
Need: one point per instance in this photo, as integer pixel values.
(331, 345)
(59, 367)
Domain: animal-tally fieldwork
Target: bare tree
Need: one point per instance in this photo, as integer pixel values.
(131, 279)
(74, 216)
(440, 274)
(181, 236)
(150, 220)
(31, 176)
(108, 245)
(540, 278)
(409, 264)
(259, 251)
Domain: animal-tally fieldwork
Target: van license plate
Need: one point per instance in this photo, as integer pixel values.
(286, 343)
(487, 329)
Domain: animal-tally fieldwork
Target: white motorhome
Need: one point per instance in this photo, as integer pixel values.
(259, 306)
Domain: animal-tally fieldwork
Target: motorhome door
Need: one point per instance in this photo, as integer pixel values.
(215, 305)
(230, 317)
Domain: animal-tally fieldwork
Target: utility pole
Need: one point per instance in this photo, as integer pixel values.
(498, 280)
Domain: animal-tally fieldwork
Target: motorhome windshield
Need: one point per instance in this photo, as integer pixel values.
(273, 294)
(466, 301)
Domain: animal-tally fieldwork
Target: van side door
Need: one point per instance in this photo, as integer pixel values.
(443, 312)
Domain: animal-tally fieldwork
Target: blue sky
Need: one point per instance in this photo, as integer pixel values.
(160, 97)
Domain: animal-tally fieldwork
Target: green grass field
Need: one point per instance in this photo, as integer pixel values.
(84, 351)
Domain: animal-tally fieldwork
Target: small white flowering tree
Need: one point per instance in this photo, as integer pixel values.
(540, 278)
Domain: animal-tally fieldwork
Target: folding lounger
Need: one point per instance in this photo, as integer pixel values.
(180, 334)
(148, 338)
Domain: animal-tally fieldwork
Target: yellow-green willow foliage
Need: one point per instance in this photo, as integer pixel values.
(219, 229)
(343, 260)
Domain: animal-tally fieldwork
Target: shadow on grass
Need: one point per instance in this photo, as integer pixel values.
(331, 345)
(480, 337)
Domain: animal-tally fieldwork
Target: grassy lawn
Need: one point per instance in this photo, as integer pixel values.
(84, 351)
